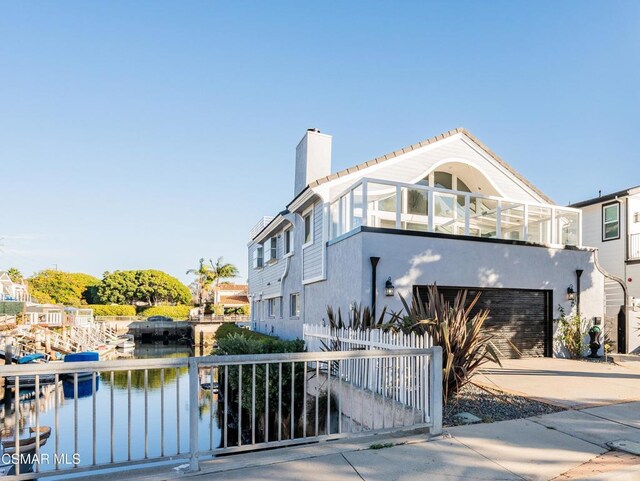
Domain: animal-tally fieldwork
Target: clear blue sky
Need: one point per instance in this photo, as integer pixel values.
(150, 134)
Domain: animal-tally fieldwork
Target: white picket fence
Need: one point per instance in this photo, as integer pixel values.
(387, 377)
(322, 338)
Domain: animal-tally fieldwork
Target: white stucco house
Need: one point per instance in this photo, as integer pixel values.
(445, 210)
(611, 223)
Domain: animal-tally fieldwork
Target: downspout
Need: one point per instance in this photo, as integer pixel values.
(374, 265)
(282, 277)
(620, 281)
(578, 275)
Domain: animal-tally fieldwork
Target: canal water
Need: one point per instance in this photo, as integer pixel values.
(172, 439)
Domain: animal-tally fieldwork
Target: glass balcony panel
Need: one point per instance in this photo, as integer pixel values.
(381, 205)
(335, 221)
(414, 209)
(568, 227)
(512, 221)
(539, 225)
(483, 219)
(445, 214)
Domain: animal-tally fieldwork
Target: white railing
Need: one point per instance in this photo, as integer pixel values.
(49, 318)
(380, 203)
(634, 246)
(262, 401)
(261, 224)
(321, 338)
(325, 338)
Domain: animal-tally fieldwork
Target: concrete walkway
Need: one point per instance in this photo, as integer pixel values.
(564, 382)
(538, 448)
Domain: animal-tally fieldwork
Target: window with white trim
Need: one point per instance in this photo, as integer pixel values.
(611, 221)
(258, 257)
(271, 307)
(294, 305)
(271, 250)
(288, 241)
(308, 227)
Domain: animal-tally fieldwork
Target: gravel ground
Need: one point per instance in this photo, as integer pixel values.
(493, 406)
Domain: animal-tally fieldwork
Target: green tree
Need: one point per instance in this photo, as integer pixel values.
(15, 275)
(204, 278)
(150, 286)
(221, 270)
(58, 287)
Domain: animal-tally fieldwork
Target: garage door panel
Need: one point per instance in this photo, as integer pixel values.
(518, 319)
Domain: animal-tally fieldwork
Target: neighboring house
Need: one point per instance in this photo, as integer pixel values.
(612, 224)
(445, 210)
(12, 291)
(230, 296)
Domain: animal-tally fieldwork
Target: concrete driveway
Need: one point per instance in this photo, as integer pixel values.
(565, 382)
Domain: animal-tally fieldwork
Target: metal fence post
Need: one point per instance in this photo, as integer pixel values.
(194, 388)
(435, 390)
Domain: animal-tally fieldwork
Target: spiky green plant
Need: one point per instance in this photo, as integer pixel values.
(360, 318)
(465, 346)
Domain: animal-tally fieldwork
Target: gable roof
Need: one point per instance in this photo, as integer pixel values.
(608, 197)
(228, 286)
(424, 143)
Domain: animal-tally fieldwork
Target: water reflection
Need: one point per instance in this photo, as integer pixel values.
(85, 387)
(132, 411)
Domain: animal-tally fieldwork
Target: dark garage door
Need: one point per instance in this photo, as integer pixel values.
(519, 320)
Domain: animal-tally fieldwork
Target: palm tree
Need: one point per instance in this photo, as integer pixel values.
(15, 275)
(204, 278)
(220, 270)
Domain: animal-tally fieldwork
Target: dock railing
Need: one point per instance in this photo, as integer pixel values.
(249, 402)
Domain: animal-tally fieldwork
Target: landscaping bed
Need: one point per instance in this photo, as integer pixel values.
(492, 405)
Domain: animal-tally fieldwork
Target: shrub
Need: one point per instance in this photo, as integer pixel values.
(571, 333)
(237, 311)
(228, 328)
(174, 312)
(234, 340)
(465, 346)
(217, 309)
(111, 310)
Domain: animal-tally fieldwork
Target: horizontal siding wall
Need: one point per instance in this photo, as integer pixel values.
(267, 279)
(611, 254)
(312, 254)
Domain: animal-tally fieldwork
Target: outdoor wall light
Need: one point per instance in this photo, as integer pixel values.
(388, 288)
(571, 294)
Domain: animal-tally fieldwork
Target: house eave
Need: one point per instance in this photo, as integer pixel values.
(606, 198)
(438, 235)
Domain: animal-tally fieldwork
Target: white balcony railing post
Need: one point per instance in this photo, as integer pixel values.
(430, 210)
(398, 207)
(365, 202)
(499, 220)
(435, 390)
(194, 388)
(467, 214)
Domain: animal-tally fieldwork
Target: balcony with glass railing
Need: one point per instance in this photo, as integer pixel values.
(413, 207)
